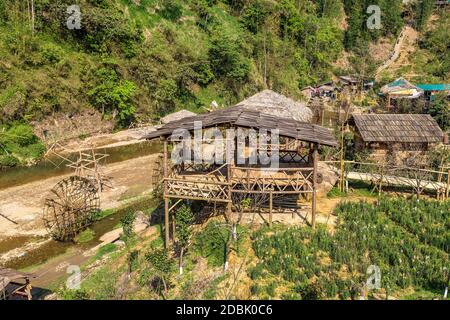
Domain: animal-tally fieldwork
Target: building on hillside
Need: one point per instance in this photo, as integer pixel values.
(308, 92)
(355, 84)
(327, 90)
(431, 90)
(395, 134)
(323, 90)
(442, 3)
(400, 89)
(349, 82)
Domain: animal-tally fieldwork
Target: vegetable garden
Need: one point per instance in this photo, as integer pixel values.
(407, 239)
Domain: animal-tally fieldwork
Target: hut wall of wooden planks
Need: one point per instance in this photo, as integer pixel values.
(237, 179)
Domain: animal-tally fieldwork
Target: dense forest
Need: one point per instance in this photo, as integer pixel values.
(136, 60)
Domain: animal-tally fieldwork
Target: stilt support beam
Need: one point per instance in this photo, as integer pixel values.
(314, 200)
(166, 199)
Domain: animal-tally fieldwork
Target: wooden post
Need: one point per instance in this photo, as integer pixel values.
(28, 289)
(314, 200)
(270, 209)
(166, 199)
(447, 194)
(229, 159)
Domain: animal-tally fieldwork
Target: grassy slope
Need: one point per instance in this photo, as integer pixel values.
(251, 275)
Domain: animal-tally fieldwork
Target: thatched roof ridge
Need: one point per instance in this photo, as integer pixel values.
(242, 117)
(177, 116)
(403, 128)
(270, 102)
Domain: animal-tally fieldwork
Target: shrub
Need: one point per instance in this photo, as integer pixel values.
(51, 53)
(212, 243)
(8, 161)
(113, 95)
(127, 222)
(18, 144)
(85, 236)
(68, 294)
(171, 10)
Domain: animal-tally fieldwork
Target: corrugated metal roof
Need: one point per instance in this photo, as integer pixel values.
(434, 87)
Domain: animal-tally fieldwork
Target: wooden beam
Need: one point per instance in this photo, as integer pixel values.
(447, 193)
(166, 199)
(230, 162)
(270, 209)
(314, 196)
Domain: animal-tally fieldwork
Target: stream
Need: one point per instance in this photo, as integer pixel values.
(54, 248)
(46, 169)
(53, 167)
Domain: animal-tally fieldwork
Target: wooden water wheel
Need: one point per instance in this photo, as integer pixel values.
(71, 207)
(158, 176)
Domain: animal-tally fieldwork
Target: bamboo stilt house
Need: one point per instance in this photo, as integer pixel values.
(242, 155)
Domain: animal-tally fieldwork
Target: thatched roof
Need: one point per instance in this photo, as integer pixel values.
(403, 128)
(240, 116)
(177, 116)
(270, 102)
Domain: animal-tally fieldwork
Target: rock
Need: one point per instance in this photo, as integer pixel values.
(141, 217)
(120, 243)
(149, 232)
(111, 236)
(326, 178)
(139, 227)
(141, 222)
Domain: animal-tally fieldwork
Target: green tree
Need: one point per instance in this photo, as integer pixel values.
(127, 222)
(226, 57)
(160, 260)
(254, 15)
(329, 8)
(184, 219)
(422, 10)
(355, 19)
(114, 95)
(439, 109)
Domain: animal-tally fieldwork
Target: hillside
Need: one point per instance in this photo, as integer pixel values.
(133, 61)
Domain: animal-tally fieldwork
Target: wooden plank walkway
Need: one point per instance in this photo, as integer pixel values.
(396, 180)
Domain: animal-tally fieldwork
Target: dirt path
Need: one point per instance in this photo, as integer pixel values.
(109, 140)
(23, 204)
(405, 44)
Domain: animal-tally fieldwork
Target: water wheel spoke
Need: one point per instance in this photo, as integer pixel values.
(71, 207)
